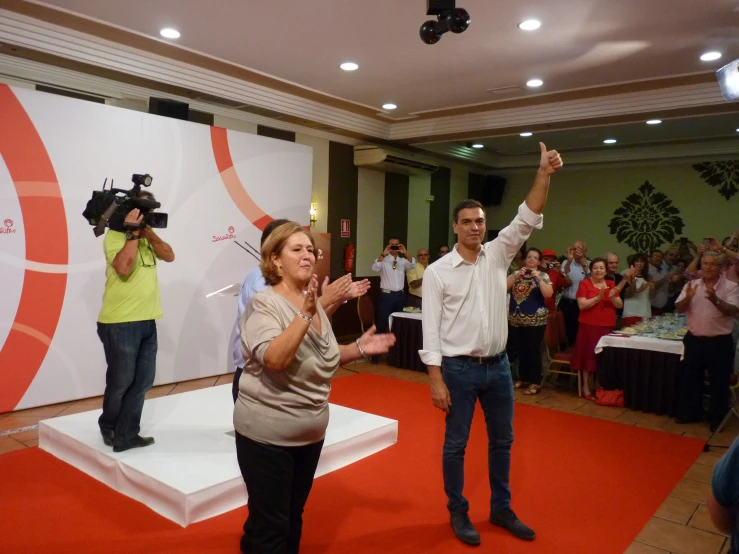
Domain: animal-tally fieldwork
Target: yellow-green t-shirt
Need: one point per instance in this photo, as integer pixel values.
(136, 296)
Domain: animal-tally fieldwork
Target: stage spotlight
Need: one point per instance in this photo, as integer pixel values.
(728, 80)
(449, 18)
(430, 33)
(459, 20)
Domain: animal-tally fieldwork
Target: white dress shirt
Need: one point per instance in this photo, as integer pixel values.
(576, 274)
(393, 279)
(661, 294)
(465, 312)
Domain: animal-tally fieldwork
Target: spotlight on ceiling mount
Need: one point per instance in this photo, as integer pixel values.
(448, 18)
(728, 80)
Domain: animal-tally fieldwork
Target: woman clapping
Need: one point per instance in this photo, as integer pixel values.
(597, 299)
(282, 412)
(527, 319)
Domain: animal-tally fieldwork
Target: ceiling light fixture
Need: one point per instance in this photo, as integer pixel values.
(526, 134)
(389, 106)
(349, 66)
(710, 56)
(610, 141)
(533, 83)
(529, 25)
(170, 33)
(654, 121)
(477, 145)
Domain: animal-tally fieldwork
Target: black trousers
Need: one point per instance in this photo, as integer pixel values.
(524, 345)
(235, 385)
(712, 354)
(571, 311)
(414, 301)
(278, 480)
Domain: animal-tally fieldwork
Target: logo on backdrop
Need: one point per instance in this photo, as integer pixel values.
(8, 227)
(228, 236)
(646, 220)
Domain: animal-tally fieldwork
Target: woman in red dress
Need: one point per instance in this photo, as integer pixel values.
(597, 300)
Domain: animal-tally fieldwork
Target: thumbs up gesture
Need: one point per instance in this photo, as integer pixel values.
(551, 162)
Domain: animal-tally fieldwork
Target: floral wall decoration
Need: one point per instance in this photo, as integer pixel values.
(646, 220)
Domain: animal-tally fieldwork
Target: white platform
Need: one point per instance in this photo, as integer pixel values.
(190, 473)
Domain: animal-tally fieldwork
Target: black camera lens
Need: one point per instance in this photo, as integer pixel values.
(394, 247)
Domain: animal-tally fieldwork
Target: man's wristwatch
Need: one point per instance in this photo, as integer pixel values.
(131, 236)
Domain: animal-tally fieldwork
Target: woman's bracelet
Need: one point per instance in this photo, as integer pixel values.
(306, 318)
(361, 351)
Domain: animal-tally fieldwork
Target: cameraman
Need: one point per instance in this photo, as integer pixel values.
(127, 329)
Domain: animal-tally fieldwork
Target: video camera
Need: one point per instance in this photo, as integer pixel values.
(109, 208)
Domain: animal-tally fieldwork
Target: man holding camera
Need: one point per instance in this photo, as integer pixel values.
(127, 328)
(392, 270)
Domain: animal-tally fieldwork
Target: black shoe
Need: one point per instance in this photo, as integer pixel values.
(688, 419)
(464, 530)
(137, 442)
(107, 437)
(508, 520)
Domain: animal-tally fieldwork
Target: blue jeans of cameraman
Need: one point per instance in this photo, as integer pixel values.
(131, 354)
(491, 384)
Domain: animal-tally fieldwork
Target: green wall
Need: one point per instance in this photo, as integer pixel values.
(582, 200)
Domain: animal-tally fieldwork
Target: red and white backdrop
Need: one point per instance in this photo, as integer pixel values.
(219, 187)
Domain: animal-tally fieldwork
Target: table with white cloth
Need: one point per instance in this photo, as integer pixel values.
(408, 331)
(647, 369)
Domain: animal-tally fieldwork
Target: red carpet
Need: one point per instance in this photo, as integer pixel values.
(585, 485)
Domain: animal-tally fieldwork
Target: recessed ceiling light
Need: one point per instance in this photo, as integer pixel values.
(170, 33)
(654, 121)
(478, 145)
(529, 25)
(389, 106)
(349, 66)
(610, 141)
(526, 134)
(534, 83)
(710, 56)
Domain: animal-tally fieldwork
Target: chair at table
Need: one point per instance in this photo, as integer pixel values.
(558, 360)
(561, 329)
(366, 313)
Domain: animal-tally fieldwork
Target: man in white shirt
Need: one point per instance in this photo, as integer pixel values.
(464, 338)
(392, 270)
(576, 269)
(660, 273)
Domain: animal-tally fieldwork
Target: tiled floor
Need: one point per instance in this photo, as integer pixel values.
(680, 526)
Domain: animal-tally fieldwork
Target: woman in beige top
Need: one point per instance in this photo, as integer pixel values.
(281, 414)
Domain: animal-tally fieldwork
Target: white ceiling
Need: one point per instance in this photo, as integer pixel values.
(582, 43)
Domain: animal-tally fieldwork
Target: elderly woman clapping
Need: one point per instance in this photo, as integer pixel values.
(282, 411)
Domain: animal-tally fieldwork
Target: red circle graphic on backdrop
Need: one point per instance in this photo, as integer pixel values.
(45, 227)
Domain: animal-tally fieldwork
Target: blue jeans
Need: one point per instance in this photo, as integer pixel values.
(131, 354)
(388, 304)
(492, 385)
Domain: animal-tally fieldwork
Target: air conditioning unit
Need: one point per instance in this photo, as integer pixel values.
(389, 161)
